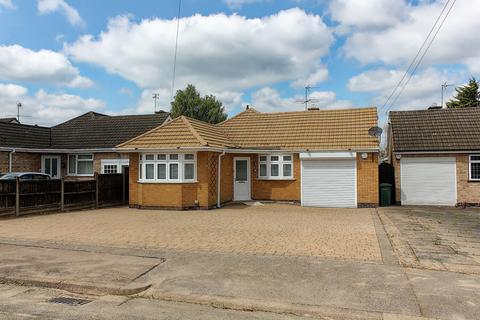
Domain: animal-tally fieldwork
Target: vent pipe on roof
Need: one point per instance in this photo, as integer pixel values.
(313, 108)
(247, 107)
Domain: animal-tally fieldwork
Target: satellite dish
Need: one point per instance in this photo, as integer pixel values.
(375, 131)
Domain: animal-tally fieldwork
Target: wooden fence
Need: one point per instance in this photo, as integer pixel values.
(27, 197)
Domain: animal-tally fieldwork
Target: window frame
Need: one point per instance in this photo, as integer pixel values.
(76, 155)
(167, 161)
(280, 162)
(470, 162)
(118, 163)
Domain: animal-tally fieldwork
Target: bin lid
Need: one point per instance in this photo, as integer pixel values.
(385, 185)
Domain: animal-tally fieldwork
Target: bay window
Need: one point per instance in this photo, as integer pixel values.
(474, 167)
(167, 167)
(275, 167)
(80, 164)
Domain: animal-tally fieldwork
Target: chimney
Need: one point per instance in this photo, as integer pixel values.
(247, 107)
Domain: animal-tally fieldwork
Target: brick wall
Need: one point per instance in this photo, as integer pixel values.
(280, 190)
(26, 162)
(4, 161)
(173, 195)
(203, 193)
(467, 191)
(286, 190)
(367, 180)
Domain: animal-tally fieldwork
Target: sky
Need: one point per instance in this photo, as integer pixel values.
(62, 58)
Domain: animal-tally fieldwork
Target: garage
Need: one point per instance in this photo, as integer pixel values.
(329, 180)
(428, 181)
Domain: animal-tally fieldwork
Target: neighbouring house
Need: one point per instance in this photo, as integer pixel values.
(436, 156)
(9, 120)
(75, 149)
(318, 158)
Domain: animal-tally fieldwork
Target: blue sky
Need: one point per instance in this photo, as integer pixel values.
(62, 58)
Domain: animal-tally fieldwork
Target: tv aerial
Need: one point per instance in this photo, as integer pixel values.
(307, 99)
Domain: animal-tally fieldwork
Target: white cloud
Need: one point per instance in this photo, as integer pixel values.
(50, 6)
(313, 79)
(237, 4)
(396, 44)
(44, 108)
(216, 53)
(422, 91)
(371, 14)
(126, 91)
(7, 4)
(45, 66)
(269, 100)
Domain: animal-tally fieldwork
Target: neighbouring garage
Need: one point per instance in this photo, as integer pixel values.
(428, 181)
(329, 180)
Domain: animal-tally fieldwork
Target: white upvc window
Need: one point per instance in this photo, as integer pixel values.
(474, 167)
(275, 166)
(80, 164)
(168, 167)
(113, 165)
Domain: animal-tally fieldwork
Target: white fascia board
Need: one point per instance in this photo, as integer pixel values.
(328, 155)
(435, 152)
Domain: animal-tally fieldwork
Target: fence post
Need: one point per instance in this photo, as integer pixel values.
(62, 194)
(17, 196)
(96, 190)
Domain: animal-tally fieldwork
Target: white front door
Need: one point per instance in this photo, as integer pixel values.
(51, 166)
(241, 179)
(428, 181)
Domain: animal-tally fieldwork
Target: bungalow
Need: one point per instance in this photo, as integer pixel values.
(75, 149)
(317, 157)
(436, 156)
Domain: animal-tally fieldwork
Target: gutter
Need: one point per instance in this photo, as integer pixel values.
(240, 150)
(219, 168)
(32, 150)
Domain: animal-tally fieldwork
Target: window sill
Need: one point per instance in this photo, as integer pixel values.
(80, 175)
(474, 181)
(166, 182)
(276, 179)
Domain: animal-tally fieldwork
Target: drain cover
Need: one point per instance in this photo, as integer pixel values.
(70, 301)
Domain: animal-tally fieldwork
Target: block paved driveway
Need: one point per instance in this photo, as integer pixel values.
(443, 238)
(272, 229)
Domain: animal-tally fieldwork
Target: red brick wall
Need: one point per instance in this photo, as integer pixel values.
(367, 180)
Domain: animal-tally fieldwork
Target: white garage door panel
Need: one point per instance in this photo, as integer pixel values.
(329, 183)
(428, 181)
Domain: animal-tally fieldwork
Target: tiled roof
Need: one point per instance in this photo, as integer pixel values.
(95, 130)
(181, 132)
(16, 135)
(436, 130)
(9, 120)
(314, 130)
(89, 131)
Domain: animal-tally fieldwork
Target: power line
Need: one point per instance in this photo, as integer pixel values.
(176, 47)
(423, 55)
(416, 56)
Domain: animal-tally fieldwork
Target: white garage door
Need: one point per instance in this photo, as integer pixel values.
(428, 181)
(329, 183)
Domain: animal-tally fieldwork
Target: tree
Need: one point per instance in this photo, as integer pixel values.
(466, 96)
(189, 103)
